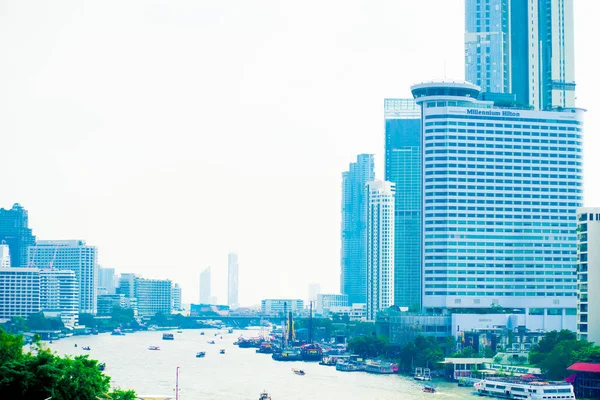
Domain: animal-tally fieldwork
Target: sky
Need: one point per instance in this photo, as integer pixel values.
(168, 133)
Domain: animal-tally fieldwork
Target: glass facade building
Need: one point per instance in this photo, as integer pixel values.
(15, 232)
(501, 188)
(354, 234)
(403, 168)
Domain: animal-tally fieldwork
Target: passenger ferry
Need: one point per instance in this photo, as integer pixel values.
(349, 366)
(380, 367)
(168, 336)
(517, 388)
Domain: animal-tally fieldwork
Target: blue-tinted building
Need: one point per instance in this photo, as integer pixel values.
(500, 195)
(354, 228)
(15, 232)
(403, 168)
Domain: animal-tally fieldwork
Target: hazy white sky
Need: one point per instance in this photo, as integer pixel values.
(169, 132)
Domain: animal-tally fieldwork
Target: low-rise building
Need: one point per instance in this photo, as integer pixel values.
(586, 380)
(326, 301)
(278, 306)
(355, 312)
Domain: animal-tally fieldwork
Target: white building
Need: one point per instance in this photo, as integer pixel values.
(4, 256)
(588, 274)
(355, 312)
(176, 297)
(19, 292)
(59, 293)
(153, 296)
(380, 246)
(314, 289)
(326, 301)
(107, 281)
(278, 306)
(233, 275)
(205, 286)
(72, 255)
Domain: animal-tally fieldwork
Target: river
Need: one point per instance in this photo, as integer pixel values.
(239, 374)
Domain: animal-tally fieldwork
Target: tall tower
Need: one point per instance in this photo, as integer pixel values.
(233, 273)
(380, 246)
(523, 47)
(205, 286)
(15, 232)
(354, 228)
(403, 168)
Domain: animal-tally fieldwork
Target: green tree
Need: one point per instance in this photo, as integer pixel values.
(11, 347)
(544, 347)
(368, 346)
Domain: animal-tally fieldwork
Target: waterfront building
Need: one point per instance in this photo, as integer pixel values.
(107, 302)
(107, 280)
(588, 274)
(4, 256)
(19, 292)
(403, 168)
(379, 196)
(176, 296)
(59, 293)
(127, 285)
(153, 296)
(524, 48)
(354, 228)
(233, 272)
(73, 255)
(500, 192)
(326, 301)
(277, 306)
(15, 232)
(205, 286)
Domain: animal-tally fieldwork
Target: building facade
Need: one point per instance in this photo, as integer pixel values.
(403, 168)
(153, 296)
(4, 256)
(107, 280)
(205, 286)
(73, 255)
(127, 285)
(15, 232)
(500, 192)
(59, 292)
(278, 306)
(326, 301)
(588, 274)
(233, 273)
(19, 292)
(522, 47)
(176, 297)
(380, 201)
(354, 228)
(107, 302)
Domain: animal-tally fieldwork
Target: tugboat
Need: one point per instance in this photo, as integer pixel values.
(200, 354)
(298, 371)
(264, 396)
(428, 389)
(287, 355)
(222, 351)
(168, 336)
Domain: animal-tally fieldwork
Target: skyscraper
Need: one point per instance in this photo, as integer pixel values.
(59, 293)
(524, 48)
(500, 192)
(354, 233)
(153, 296)
(232, 280)
(14, 230)
(72, 255)
(379, 196)
(4, 255)
(403, 168)
(205, 284)
(588, 274)
(107, 280)
(176, 297)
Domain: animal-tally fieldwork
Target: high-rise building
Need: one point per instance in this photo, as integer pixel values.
(4, 255)
(588, 274)
(501, 188)
(127, 285)
(15, 232)
(59, 293)
(107, 280)
(205, 286)
(233, 272)
(176, 297)
(326, 302)
(153, 296)
(524, 48)
(73, 255)
(19, 292)
(403, 168)
(107, 302)
(379, 196)
(354, 228)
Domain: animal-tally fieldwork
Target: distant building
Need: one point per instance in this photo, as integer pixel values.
(205, 286)
(4, 256)
(107, 302)
(588, 274)
(19, 292)
(153, 296)
(15, 232)
(277, 306)
(208, 310)
(74, 255)
(59, 293)
(233, 276)
(326, 301)
(354, 312)
(107, 280)
(176, 297)
(380, 246)
(354, 228)
(127, 285)
(314, 289)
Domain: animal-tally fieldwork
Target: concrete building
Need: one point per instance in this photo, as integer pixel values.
(73, 255)
(326, 301)
(107, 280)
(127, 285)
(523, 48)
(403, 169)
(176, 297)
(59, 293)
(354, 312)
(19, 292)
(107, 302)
(153, 296)
(4, 256)
(205, 286)
(588, 274)
(501, 187)
(15, 232)
(354, 228)
(277, 306)
(233, 276)
(379, 196)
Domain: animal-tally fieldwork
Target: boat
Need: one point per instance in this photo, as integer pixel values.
(168, 336)
(117, 332)
(380, 367)
(200, 354)
(526, 389)
(230, 331)
(349, 366)
(264, 396)
(287, 355)
(101, 366)
(153, 348)
(179, 331)
(298, 371)
(87, 348)
(428, 389)
(265, 348)
(222, 351)
(201, 333)
(467, 382)
(311, 352)
(210, 341)
(422, 375)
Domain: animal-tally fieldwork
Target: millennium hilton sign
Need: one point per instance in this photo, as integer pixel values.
(490, 113)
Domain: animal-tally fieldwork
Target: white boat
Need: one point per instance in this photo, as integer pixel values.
(517, 388)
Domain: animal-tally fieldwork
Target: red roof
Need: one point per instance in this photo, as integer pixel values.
(585, 367)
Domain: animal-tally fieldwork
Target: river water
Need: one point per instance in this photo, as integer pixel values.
(239, 374)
